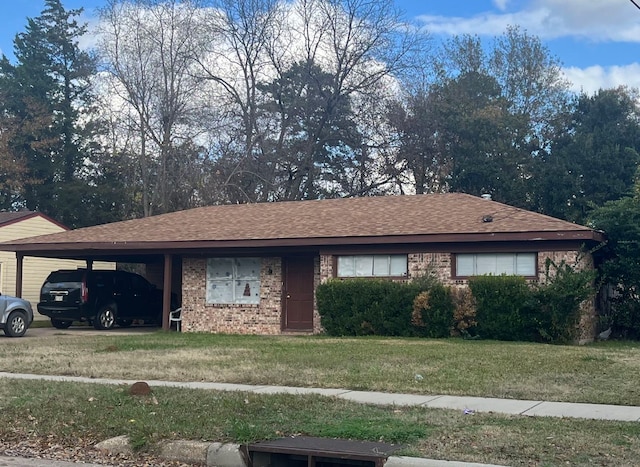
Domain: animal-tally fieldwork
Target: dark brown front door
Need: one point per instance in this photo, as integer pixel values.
(298, 293)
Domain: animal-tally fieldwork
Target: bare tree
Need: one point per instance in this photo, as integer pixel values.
(340, 53)
(249, 65)
(532, 81)
(240, 33)
(148, 48)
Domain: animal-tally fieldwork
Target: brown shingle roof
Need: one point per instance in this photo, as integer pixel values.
(397, 216)
(11, 217)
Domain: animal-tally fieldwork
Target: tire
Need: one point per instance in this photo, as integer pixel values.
(106, 317)
(60, 323)
(17, 324)
(124, 323)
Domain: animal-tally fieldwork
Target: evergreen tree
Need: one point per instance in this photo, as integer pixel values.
(596, 160)
(48, 91)
(315, 141)
(619, 261)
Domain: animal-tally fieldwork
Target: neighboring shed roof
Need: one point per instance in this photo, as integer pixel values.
(448, 217)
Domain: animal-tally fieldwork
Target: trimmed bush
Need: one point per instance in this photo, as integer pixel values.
(502, 305)
(357, 307)
(433, 312)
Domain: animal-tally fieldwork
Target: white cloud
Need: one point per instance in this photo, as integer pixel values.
(595, 20)
(501, 4)
(590, 79)
(89, 40)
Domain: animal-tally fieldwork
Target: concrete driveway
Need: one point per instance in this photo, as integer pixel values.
(38, 332)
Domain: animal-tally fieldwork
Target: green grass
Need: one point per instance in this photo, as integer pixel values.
(64, 413)
(599, 373)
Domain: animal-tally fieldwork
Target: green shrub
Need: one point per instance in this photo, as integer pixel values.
(618, 258)
(501, 307)
(624, 315)
(464, 315)
(357, 307)
(556, 302)
(432, 314)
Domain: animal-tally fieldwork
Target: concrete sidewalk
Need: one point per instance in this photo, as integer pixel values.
(472, 404)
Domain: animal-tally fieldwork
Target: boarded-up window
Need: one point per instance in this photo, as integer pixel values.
(233, 280)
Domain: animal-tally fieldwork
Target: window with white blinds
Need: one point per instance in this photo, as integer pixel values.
(372, 266)
(511, 264)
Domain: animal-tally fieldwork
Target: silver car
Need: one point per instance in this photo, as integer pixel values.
(16, 315)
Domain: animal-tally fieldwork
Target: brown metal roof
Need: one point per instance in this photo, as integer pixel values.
(388, 219)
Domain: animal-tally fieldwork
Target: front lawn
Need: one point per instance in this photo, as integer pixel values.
(68, 414)
(599, 373)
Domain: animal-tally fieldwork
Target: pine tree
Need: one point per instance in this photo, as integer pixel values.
(48, 91)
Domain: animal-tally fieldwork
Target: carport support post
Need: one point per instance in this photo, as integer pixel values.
(19, 264)
(166, 291)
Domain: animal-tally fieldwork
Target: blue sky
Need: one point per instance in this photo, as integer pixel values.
(597, 41)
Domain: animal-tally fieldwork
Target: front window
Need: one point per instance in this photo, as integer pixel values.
(518, 264)
(233, 281)
(372, 266)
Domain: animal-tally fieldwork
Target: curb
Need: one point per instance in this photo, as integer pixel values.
(231, 455)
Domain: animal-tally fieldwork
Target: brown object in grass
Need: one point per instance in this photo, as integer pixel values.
(140, 389)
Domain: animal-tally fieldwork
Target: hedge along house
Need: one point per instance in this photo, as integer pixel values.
(254, 268)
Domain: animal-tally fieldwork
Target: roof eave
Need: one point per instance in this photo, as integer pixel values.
(569, 235)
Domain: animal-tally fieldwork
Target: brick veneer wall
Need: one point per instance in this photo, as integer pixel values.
(199, 316)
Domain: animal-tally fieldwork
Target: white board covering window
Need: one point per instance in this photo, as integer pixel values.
(233, 280)
(478, 264)
(372, 266)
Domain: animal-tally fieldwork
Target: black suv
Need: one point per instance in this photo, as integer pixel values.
(103, 298)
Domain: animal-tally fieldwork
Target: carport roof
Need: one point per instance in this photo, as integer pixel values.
(432, 218)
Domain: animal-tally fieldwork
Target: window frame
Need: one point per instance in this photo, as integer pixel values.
(237, 282)
(456, 275)
(404, 275)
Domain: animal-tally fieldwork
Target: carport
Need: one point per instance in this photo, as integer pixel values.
(165, 259)
(166, 241)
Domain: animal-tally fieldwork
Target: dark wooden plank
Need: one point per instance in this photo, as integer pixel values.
(326, 447)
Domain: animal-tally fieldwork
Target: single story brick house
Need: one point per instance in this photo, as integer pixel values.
(253, 268)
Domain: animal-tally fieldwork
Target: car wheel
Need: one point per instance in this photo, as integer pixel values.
(106, 317)
(124, 323)
(60, 323)
(16, 325)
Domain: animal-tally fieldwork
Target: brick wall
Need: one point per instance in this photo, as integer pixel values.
(320, 268)
(420, 264)
(199, 316)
